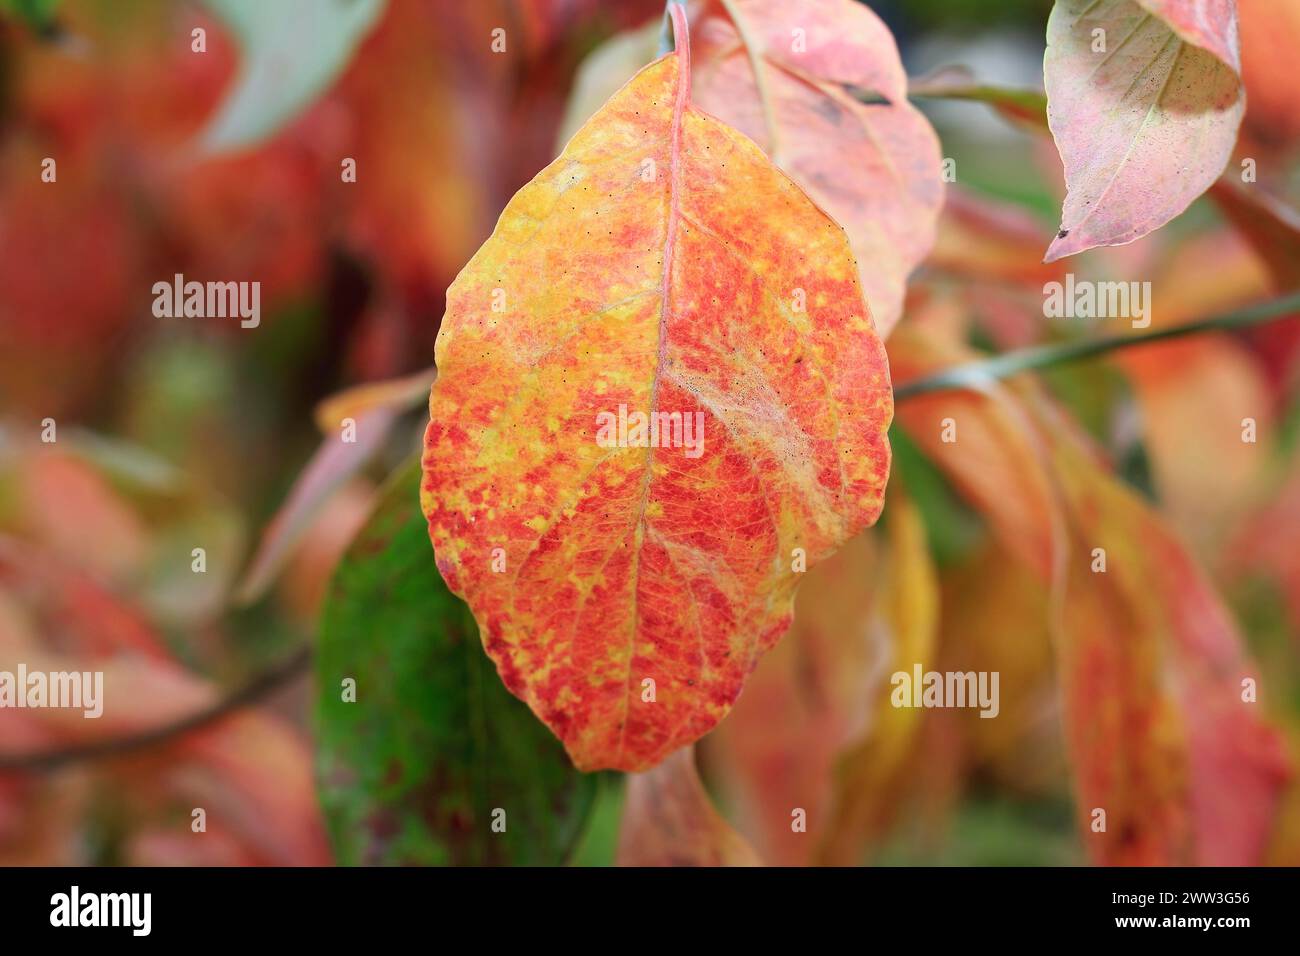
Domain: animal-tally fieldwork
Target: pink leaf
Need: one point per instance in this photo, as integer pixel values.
(1144, 101)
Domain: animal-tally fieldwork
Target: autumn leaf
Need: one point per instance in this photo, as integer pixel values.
(1150, 662)
(814, 730)
(1208, 24)
(1184, 280)
(1208, 430)
(1207, 415)
(414, 768)
(256, 772)
(996, 618)
(1270, 34)
(75, 257)
(1164, 734)
(908, 616)
(396, 394)
(89, 521)
(334, 463)
(1270, 226)
(787, 75)
(1144, 100)
(120, 514)
(1265, 541)
(660, 267)
(669, 820)
(820, 87)
(251, 771)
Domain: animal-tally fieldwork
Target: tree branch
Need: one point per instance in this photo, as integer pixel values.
(260, 686)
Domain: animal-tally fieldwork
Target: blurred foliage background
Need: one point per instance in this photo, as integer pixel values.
(175, 434)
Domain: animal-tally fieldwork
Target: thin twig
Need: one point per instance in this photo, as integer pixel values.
(977, 375)
(260, 686)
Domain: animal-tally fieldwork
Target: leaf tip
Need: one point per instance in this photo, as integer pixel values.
(1062, 245)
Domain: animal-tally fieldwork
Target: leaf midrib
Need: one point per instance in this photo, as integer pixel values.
(680, 105)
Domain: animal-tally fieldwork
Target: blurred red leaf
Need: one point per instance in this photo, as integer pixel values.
(668, 820)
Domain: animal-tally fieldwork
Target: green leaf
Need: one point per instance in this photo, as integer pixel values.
(292, 50)
(598, 845)
(412, 772)
(37, 14)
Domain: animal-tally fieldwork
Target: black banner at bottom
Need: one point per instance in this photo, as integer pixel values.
(335, 906)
